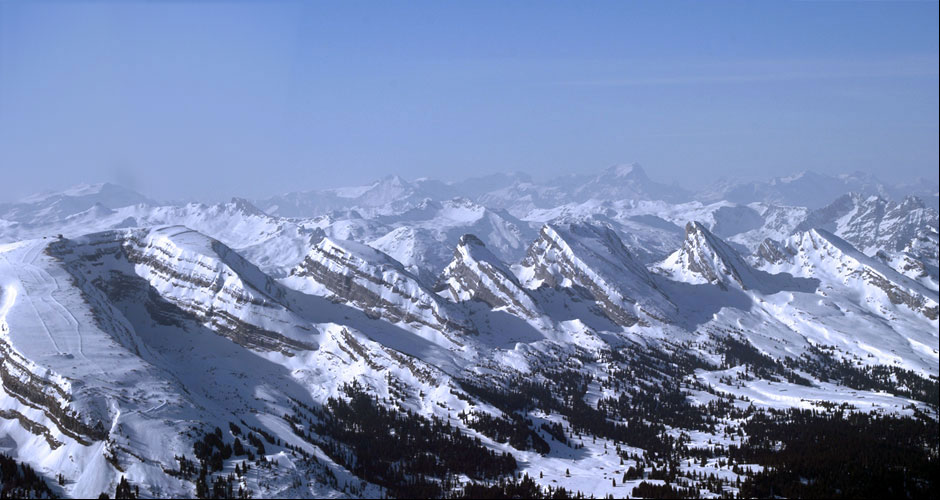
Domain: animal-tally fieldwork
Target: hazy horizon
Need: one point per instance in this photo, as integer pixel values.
(223, 196)
(183, 100)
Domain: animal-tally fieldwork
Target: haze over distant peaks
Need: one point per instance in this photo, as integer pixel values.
(551, 331)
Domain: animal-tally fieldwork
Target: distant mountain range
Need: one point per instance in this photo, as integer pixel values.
(518, 193)
(597, 334)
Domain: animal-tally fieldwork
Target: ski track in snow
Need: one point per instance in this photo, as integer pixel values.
(32, 302)
(44, 286)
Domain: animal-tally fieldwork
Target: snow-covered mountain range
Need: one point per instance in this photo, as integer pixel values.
(593, 333)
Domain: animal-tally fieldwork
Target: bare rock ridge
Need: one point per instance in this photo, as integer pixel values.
(377, 284)
(705, 255)
(595, 259)
(476, 274)
(599, 323)
(872, 223)
(197, 274)
(821, 254)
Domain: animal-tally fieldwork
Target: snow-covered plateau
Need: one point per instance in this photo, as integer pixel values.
(601, 335)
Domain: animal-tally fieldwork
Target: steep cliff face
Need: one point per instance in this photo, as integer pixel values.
(595, 259)
(73, 370)
(40, 389)
(476, 274)
(377, 284)
(65, 307)
(705, 257)
(873, 223)
(120, 350)
(771, 252)
(181, 268)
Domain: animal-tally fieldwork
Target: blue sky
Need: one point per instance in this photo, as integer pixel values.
(212, 98)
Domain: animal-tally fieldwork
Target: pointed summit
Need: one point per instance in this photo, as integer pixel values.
(626, 171)
(595, 259)
(476, 274)
(246, 207)
(377, 284)
(705, 257)
(872, 223)
(714, 259)
(622, 182)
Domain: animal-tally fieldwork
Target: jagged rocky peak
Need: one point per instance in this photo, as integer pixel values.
(594, 258)
(705, 257)
(771, 252)
(350, 254)
(377, 284)
(817, 253)
(873, 223)
(475, 273)
(246, 207)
